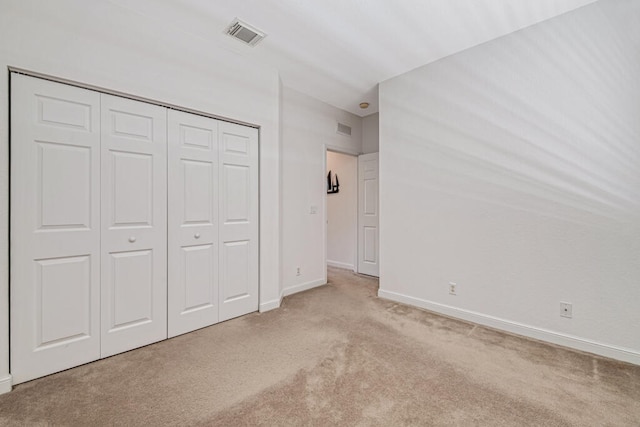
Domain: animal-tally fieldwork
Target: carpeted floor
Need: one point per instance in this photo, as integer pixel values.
(337, 355)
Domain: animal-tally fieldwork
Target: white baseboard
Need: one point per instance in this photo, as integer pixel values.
(270, 305)
(273, 304)
(303, 287)
(339, 264)
(582, 344)
(5, 384)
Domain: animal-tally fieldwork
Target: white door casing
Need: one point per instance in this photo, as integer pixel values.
(193, 222)
(55, 227)
(368, 208)
(134, 224)
(238, 220)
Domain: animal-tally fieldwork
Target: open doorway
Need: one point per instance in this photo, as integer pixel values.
(342, 210)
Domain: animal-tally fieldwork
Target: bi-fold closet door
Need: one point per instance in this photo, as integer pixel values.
(88, 226)
(129, 222)
(55, 227)
(213, 221)
(193, 222)
(238, 220)
(134, 224)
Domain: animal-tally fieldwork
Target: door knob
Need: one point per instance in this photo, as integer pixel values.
(132, 239)
(197, 235)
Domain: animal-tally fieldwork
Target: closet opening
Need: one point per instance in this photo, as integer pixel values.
(131, 222)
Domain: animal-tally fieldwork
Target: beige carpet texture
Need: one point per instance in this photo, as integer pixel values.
(337, 355)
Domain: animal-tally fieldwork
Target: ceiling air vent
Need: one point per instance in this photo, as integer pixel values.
(344, 129)
(245, 33)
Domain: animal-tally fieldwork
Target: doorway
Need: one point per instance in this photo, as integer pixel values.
(341, 210)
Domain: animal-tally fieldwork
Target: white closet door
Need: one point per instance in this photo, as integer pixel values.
(239, 220)
(193, 222)
(55, 227)
(134, 224)
(368, 246)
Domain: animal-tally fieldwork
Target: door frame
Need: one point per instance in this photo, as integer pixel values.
(340, 150)
(101, 89)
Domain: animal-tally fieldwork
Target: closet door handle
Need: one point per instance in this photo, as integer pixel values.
(132, 239)
(197, 235)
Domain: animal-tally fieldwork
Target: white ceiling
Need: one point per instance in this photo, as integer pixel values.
(339, 50)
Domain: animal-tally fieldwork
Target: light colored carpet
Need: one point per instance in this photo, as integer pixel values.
(337, 355)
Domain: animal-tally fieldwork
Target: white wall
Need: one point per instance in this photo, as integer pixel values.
(342, 211)
(513, 169)
(371, 133)
(104, 45)
(308, 126)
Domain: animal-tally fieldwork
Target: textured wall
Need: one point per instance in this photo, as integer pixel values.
(513, 169)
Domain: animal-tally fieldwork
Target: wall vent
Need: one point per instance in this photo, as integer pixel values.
(245, 32)
(344, 129)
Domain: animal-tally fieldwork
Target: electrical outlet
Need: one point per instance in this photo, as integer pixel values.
(313, 210)
(297, 271)
(452, 288)
(566, 309)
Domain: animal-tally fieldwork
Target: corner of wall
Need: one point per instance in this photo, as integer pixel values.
(271, 305)
(371, 133)
(303, 287)
(5, 384)
(280, 185)
(5, 377)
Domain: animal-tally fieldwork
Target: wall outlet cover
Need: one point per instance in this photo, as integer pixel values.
(566, 309)
(452, 288)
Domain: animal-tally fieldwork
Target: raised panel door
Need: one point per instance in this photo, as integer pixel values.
(134, 224)
(238, 220)
(368, 246)
(55, 227)
(193, 222)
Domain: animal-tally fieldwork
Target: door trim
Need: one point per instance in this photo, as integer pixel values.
(114, 92)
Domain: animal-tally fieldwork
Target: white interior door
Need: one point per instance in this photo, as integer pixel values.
(55, 227)
(238, 220)
(134, 224)
(368, 246)
(193, 222)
